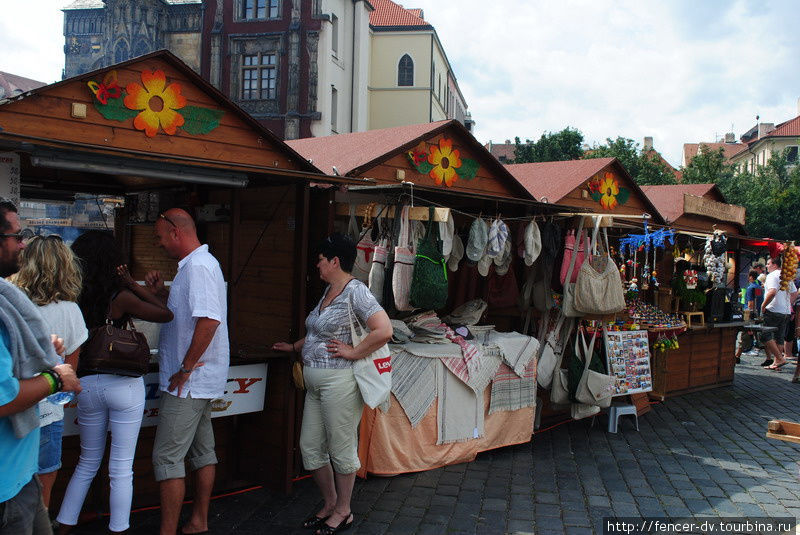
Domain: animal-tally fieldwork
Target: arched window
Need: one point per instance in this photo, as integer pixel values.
(405, 71)
(121, 52)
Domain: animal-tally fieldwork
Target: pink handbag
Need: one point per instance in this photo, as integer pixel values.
(569, 247)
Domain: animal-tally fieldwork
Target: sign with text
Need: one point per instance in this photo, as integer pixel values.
(10, 176)
(245, 392)
(692, 204)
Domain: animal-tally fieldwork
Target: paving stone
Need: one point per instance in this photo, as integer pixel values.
(599, 501)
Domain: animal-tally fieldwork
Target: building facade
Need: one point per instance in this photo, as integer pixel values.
(301, 67)
(767, 139)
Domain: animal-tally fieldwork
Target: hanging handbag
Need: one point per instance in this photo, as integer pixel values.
(541, 293)
(568, 302)
(599, 289)
(114, 350)
(547, 357)
(388, 275)
(559, 390)
(573, 250)
(403, 271)
(594, 388)
(365, 249)
(374, 372)
(429, 283)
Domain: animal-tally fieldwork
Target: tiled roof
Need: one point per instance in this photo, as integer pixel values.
(690, 149)
(502, 150)
(668, 199)
(350, 151)
(554, 180)
(388, 13)
(12, 85)
(789, 128)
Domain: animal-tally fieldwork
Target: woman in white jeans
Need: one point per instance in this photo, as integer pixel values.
(109, 401)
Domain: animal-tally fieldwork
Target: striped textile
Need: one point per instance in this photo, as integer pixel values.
(511, 392)
(413, 384)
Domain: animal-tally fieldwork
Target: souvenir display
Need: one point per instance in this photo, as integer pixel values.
(628, 359)
(652, 318)
(690, 278)
(714, 258)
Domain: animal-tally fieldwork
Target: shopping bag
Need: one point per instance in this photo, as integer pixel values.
(374, 372)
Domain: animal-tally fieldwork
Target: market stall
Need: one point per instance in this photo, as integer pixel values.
(700, 274)
(602, 187)
(454, 392)
(250, 195)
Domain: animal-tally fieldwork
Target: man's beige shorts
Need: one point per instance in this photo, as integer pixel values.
(184, 433)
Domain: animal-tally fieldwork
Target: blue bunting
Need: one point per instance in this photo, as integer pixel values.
(656, 239)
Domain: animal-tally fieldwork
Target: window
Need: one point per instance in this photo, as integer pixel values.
(334, 108)
(141, 49)
(791, 155)
(334, 34)
(405, 71)
(259, 77)
(260, 9)
(121, 52)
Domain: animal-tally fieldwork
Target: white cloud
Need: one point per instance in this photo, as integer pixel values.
(675, 71)
(32, 39)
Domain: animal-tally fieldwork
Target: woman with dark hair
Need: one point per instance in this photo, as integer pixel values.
(108, 401)
(333, 404)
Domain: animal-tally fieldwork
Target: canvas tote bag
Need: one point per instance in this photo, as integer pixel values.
(373, 373)
(573, 250)
(403, 271)
(365, 249)
(599, 290)
(559, 390)
(547, 352)
(594, 388)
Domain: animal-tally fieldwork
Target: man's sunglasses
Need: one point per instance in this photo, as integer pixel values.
(168, 220)
(25, 234)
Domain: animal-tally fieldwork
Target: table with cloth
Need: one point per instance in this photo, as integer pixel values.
(451, 398)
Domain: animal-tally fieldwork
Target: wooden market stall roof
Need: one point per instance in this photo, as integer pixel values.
(596, 184)
(154, 108)
(442, 155)
(696, 207)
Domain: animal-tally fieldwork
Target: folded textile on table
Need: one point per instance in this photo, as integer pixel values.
(447, 349)
(475, 368)
(400, 332)
(460, 408)
(517, 349)
(511, 392)
(413, 384)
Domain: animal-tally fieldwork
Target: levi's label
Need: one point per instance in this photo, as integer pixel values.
(383, 365)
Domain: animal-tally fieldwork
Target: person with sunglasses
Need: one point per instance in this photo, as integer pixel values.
(193, 355)
(50, 275)
(29, 372)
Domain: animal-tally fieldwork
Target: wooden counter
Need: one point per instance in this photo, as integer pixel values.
(704, 360)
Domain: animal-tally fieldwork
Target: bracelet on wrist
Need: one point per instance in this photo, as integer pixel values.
(53, 379)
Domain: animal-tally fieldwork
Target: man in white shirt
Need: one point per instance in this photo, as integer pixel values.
(777, 309)
(193, 361)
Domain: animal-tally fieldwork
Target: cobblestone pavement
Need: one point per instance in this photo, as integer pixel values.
(703, 454)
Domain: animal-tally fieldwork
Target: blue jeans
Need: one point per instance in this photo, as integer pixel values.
(50, 447)
(17, 515)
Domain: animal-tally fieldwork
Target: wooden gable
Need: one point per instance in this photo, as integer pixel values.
(448, 158)
(611, 191)
(183, 117)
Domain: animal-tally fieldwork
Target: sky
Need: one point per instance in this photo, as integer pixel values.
(681, 71)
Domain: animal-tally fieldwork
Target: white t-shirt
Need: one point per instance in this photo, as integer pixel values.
(780, 303)
(64, 319)
(198, 291)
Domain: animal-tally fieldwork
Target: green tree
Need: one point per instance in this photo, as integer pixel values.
(771, 197)
(551, 147)
(708, 166)
(646, 168)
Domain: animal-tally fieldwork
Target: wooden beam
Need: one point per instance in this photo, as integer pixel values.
(782, 430)
(419, 213)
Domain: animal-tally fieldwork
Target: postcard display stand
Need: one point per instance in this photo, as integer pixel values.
(628, 354)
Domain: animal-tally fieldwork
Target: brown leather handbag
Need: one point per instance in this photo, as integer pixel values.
(115, 350)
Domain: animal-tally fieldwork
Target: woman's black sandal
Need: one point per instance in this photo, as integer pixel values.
(314, 522)
(344, 525)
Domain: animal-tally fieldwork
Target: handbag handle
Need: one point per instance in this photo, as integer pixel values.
(572, 260)
(586, 354)
(404, 230)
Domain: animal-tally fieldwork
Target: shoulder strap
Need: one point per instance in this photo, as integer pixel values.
(572, 259)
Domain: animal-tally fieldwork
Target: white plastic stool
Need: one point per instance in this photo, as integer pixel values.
(615, 411)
